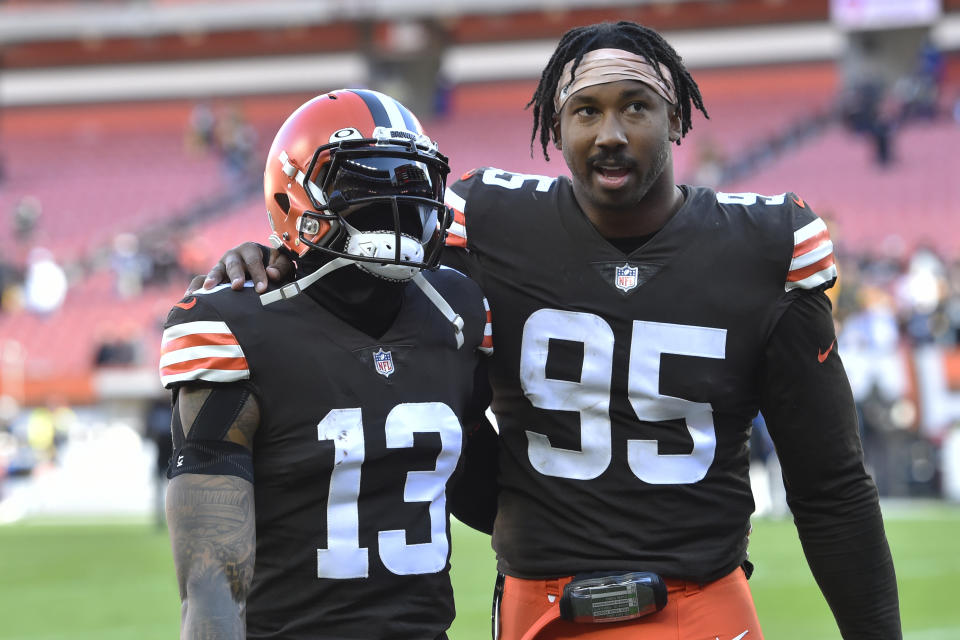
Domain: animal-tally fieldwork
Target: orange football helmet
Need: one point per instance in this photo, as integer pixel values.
(351, 174)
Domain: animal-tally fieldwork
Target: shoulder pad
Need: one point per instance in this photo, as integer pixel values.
(198, 344)
(811, 262)
(486, 187)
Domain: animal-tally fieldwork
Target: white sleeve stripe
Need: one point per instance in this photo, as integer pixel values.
(487, 330)
(210, 375)
(814, 255)
(817, 279)
(486, 305)
(485, 350)
(808, 231)
(206, 351)
(191, 328)
(454, 200)
(458, 229)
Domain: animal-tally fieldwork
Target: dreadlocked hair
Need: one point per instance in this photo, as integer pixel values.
(628, 36)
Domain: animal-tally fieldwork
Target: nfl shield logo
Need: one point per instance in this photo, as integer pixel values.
(384, 362)
(627, 277)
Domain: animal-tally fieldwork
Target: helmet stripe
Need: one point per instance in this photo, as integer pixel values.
(377, 110)
(387, 112)
(409, 119)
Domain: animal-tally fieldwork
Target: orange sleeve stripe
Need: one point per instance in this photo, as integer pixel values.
(228, 364)
(458, 217)
(799, 274)
(487, 342)
(199, 340)
(454, 240)
(811, 243)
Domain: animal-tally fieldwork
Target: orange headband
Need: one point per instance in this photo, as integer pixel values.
(610, 65)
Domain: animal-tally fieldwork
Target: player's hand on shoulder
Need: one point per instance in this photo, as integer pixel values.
(248, 259)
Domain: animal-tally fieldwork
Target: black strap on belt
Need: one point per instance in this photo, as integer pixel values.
(497, 599)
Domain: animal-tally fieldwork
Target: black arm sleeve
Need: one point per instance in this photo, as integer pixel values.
(473, 496)
(809, 410)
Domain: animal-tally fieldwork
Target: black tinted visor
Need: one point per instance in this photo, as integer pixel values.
(363, 177)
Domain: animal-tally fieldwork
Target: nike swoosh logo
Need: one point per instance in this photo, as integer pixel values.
(189, 305)
(821, 356)
(800, 204)
(737, 638)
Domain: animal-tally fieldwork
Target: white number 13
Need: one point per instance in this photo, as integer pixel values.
(343, 556)
(590, 397)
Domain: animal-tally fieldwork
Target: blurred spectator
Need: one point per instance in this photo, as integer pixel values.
(231, 137)
(162, 254)
(951, 306)
(200, 132)
(11, 287)
(45, 286)
(157, 430)
(865, 111)
(765, 472)
(130, 266)
(118, 346)
(26, 213)
(48, 427)
(920, 91)
(920, 293)
(890, 305)
(9, 408)
(235, 139)
(710, 162)
(873, 327)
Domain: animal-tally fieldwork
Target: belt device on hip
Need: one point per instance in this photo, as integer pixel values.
(612, 598)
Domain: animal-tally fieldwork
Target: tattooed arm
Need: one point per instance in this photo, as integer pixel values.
(211, 520)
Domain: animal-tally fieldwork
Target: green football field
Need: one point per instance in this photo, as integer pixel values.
(115, 581)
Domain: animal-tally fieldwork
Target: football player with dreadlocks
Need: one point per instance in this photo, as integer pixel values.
(641, 325)
(317, 427)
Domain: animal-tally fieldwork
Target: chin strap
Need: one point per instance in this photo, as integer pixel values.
(442, 306)
(297, 286)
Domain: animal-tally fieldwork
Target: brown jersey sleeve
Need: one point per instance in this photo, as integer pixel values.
(809, 409)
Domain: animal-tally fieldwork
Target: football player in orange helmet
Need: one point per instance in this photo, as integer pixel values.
(317, 436)
(351, 179)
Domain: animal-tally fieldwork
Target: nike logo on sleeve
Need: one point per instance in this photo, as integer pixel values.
(821, 356)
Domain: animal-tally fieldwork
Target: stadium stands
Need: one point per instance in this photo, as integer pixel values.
(94, 184)
(914, 198)
(104, 173)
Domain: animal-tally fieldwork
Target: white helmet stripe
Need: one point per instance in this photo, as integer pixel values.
(393, 111)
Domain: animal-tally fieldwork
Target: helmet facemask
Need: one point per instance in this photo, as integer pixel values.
(383, 198)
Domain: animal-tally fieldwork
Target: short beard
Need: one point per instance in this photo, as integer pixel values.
(654, 173)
